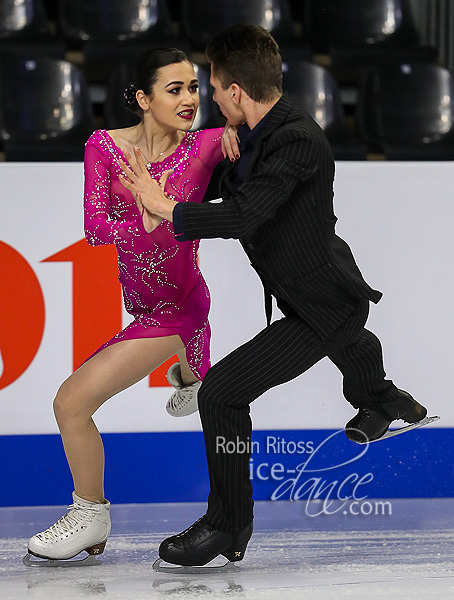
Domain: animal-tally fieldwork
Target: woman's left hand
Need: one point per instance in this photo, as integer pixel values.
(230, 142)
(148, 193)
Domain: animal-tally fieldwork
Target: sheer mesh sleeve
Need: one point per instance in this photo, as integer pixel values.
(100, 228)
(210, 147)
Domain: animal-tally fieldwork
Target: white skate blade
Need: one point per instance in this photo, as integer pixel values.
(160, 566)
(30, 560)
(409, 427)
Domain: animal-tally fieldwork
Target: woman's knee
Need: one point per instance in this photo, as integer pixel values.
(67, 405)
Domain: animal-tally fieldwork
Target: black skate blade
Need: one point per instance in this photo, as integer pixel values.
(30, 560)
(409, 427)
(160, 566)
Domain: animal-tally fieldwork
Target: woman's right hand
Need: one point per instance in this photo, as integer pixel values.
(149, 220)
(230, 142)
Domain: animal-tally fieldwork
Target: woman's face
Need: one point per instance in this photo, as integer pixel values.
(175, 97)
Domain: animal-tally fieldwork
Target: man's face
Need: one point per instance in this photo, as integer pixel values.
(224, 99)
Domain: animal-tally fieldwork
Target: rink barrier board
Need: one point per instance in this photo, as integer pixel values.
(60, 299)
(171, 467)
(67, 302)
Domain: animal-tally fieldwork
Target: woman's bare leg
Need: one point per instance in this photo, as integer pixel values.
(187, 375)
(112, 370)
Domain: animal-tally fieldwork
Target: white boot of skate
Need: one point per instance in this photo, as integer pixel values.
(86, 526)
(183, 402)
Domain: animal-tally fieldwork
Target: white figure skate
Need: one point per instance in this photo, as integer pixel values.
(85, 527)
(183, 401)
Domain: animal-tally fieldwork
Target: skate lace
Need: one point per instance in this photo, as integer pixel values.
(76, 515)
(362, 417)
(192, 533)
(182, 398)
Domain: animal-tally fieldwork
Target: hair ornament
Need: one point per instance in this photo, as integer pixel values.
(130, 94)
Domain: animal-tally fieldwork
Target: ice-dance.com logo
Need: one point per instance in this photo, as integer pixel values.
(312, 481)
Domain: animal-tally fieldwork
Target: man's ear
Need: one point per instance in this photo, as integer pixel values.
(235, 93)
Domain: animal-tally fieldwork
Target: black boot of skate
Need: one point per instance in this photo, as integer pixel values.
(200, 543)
(369, 425)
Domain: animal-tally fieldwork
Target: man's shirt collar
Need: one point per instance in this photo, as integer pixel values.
(252, 136)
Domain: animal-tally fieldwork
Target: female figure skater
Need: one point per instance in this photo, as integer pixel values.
(162, 286)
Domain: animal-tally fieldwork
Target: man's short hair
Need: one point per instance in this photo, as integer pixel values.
(249, 56)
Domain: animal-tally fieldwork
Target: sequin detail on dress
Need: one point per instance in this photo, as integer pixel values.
(163, 288)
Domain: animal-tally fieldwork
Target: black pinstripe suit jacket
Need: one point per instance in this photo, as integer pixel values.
(283, 215)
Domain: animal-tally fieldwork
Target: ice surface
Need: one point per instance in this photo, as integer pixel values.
(408, 554)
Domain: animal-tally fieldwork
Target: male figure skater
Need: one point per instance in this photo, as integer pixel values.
(278, 201)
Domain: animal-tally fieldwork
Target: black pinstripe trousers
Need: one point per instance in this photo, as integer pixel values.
(279, 353)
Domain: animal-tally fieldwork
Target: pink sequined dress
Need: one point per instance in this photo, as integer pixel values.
(163, 288)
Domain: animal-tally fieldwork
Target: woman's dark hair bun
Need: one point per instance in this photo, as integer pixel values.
(130, 97)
